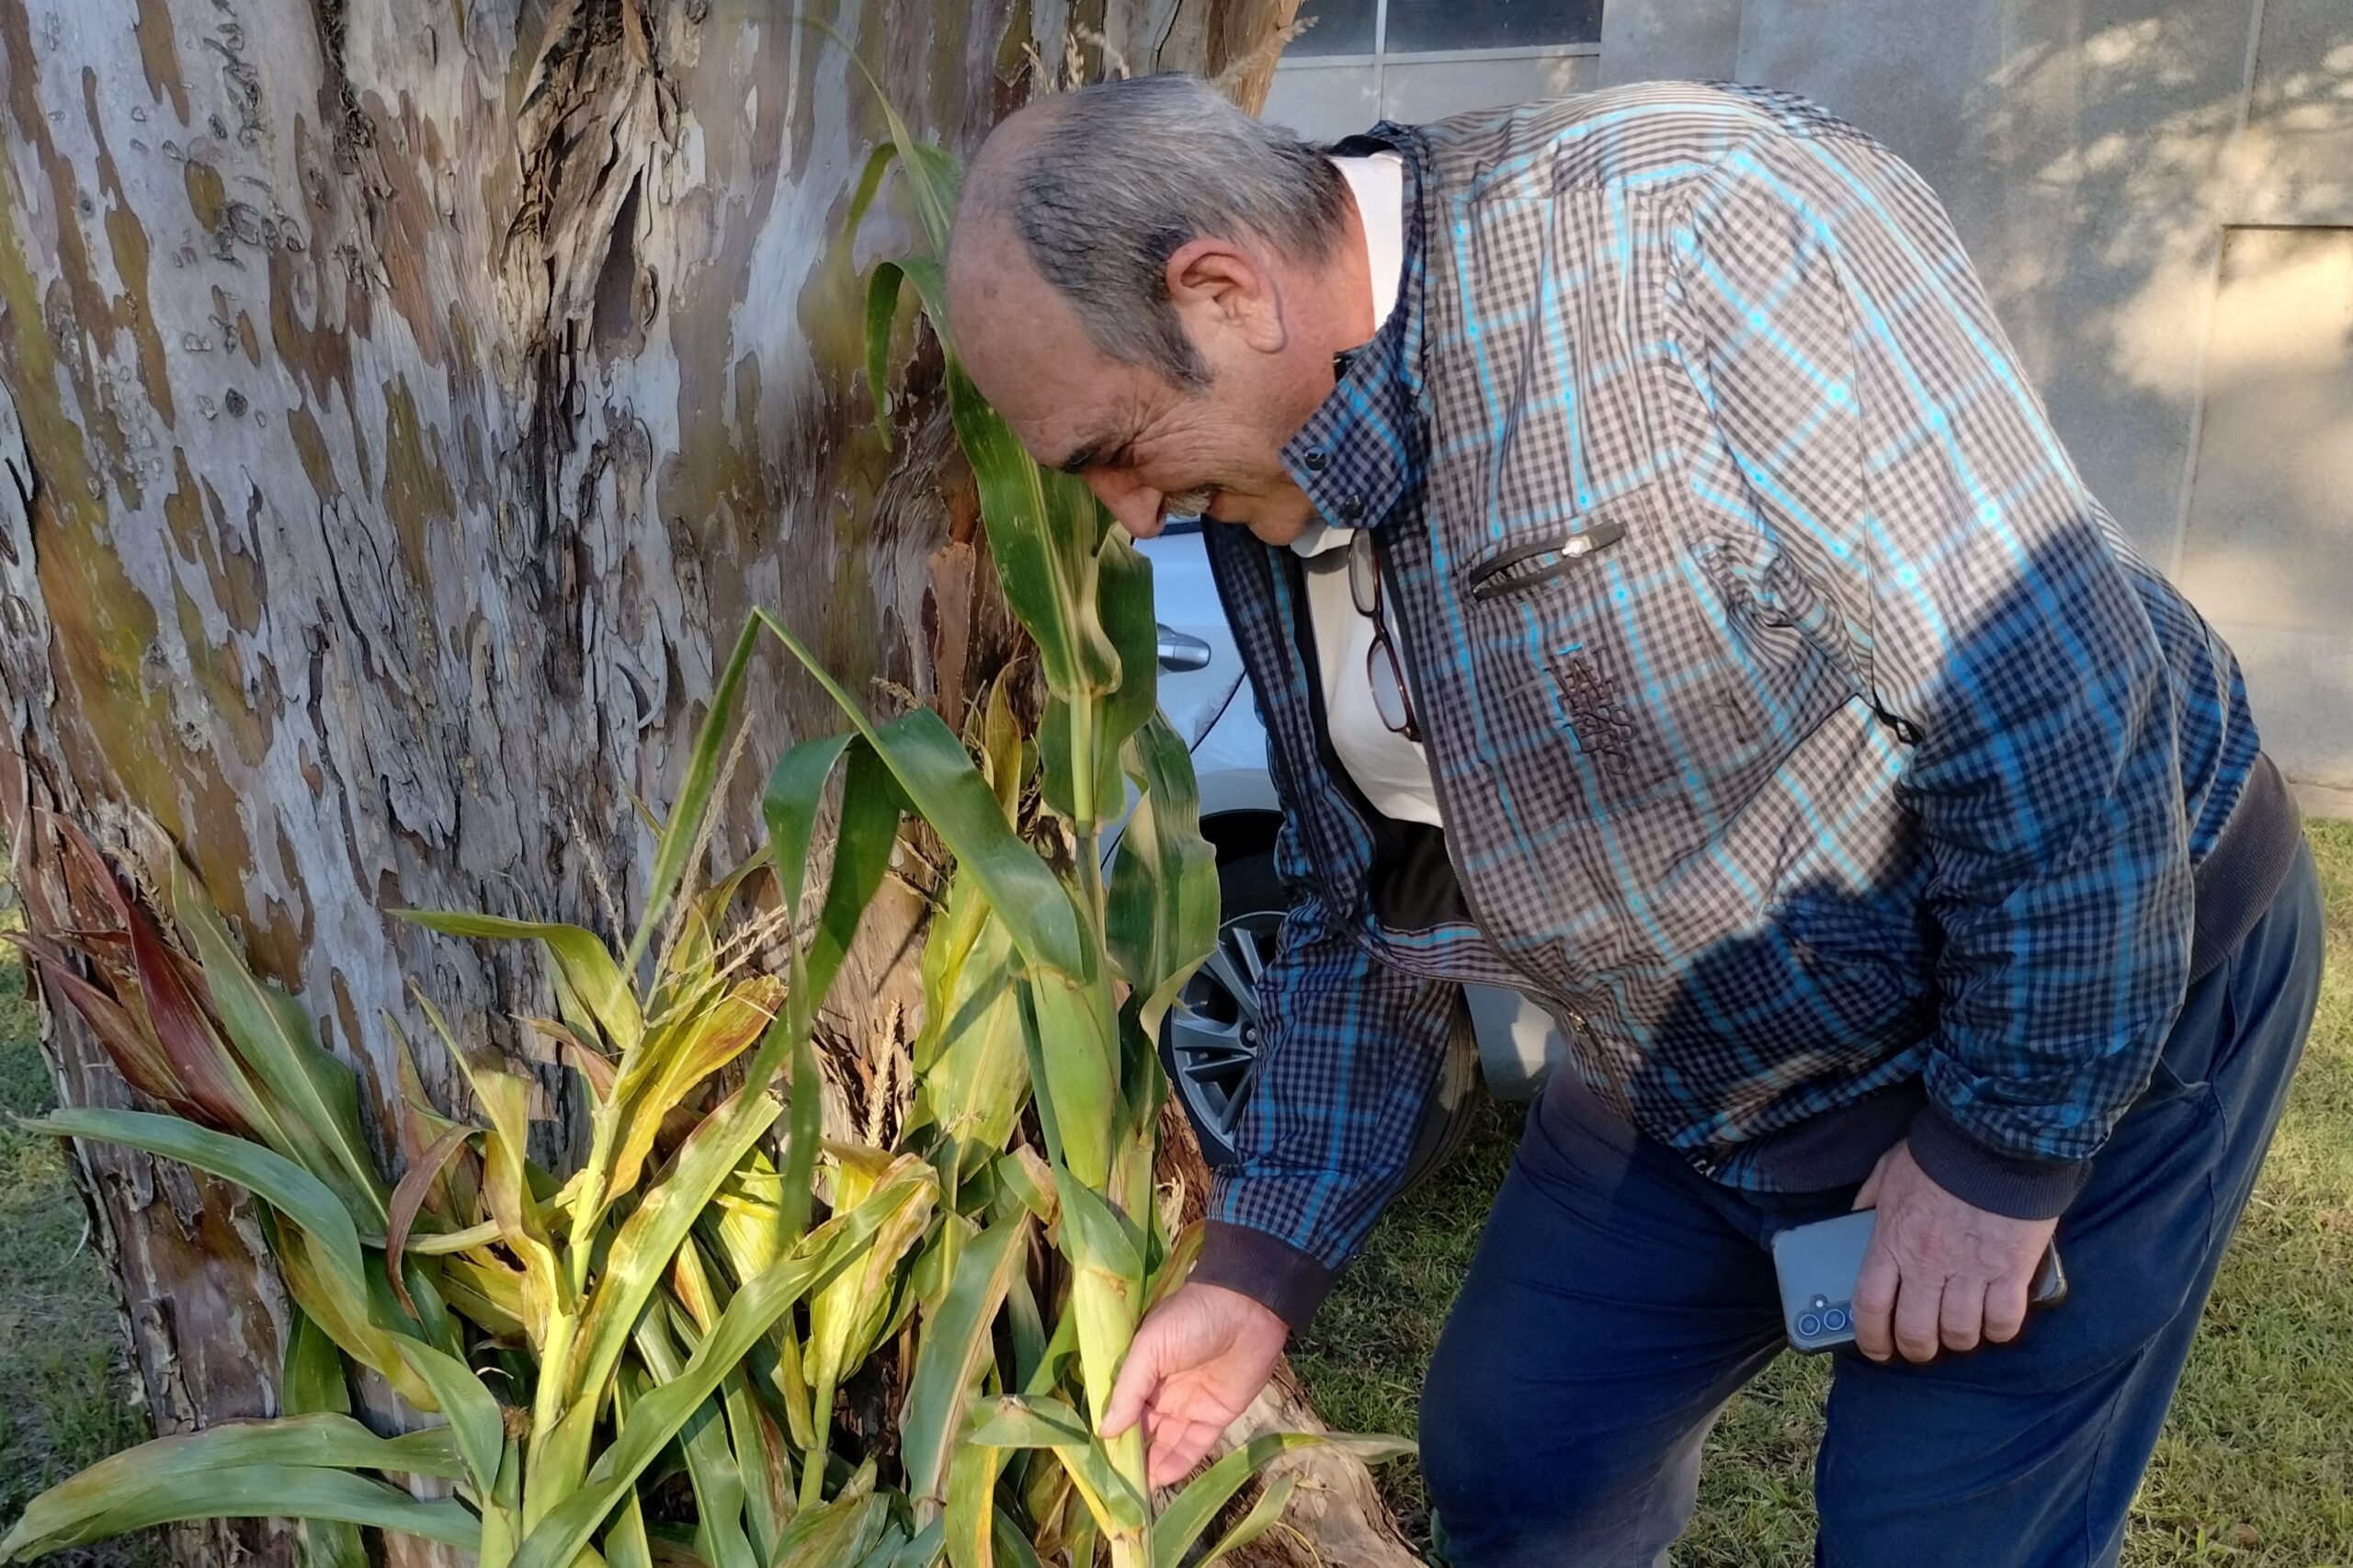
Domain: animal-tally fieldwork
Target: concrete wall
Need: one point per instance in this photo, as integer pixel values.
(2159, 195)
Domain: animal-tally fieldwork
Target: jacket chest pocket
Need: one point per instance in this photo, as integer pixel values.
(1604, 647)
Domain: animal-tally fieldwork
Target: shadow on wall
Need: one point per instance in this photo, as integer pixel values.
(2162, 210)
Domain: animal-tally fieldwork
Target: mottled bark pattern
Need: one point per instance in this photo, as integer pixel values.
(399, 402)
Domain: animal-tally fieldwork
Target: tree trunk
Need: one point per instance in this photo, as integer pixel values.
(399, 402)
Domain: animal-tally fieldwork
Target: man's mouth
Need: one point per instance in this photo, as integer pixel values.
(1190, 503)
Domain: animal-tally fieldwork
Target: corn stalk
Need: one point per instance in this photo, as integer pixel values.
(650, 1352)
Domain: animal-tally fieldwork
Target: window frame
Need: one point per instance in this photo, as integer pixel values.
(1382, 56)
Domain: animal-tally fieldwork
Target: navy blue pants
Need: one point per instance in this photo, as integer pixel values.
(1618, 1299)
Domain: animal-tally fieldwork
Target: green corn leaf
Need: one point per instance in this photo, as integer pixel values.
(684, 826)
(642, 1251)
(322, 1438)
(881, 318)
(313, 1384)
(1058, 780)
(1024, 1179)
(1036, 1422)
(1161, 907)
(921, 1550)
(289, 1468)
(508, 1190)
(268, 1175)
(502, 1520)
(1117, 1508)
(1045, 531)
(581, 962)
(1123, 603)
(1257, 1522)
(791, 805)
(487, 1292)
(956, 1338)
(1014, 1551)
(846, 1316)
(839, 1534)
(969, 1520)
(1106, 1290)
(938, 779)
(347, 1316)
(312, 1097)
(1001, 746)
(625, 1545)
(475, 1423)
(1095, 1235)
(971, 1073)
(1192, 1510)
(869, 180)
(763, 1461)
(652, 1233)
(931, 172)
(1073, 1066)
(872, 805)
(657, 1418)
(679, 1058)
(238, 1492)
(931, 287)
(712, 1468)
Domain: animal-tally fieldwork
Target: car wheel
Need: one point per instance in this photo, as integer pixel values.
(1210, 1041)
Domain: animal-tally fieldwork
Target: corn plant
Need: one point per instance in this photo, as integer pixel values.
(642, 1357)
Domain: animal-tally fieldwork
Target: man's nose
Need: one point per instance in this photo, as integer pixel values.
(1137, 508)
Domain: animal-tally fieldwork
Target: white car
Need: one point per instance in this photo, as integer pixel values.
(1210, 1043)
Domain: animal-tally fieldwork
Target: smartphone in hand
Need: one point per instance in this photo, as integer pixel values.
(1818, 1266)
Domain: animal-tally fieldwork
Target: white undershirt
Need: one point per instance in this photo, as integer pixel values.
(1393, 772)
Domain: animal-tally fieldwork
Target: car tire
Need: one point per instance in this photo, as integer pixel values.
(1208, 1044)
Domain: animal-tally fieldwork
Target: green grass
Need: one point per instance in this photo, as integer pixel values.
(2255, 1466)
(61, 1387)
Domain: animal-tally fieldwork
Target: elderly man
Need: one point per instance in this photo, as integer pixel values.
(1666, 596)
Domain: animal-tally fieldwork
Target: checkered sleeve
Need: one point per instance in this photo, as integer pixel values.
(1918, 516)
(1349, 1055)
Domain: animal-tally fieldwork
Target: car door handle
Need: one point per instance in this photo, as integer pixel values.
(1182, 650)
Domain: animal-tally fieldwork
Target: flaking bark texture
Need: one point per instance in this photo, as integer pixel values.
(401, 403)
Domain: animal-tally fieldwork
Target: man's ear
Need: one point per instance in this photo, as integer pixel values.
(1215, 281)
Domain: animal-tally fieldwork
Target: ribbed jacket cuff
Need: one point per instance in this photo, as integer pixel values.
(1268, 1270)
(1983, 1178)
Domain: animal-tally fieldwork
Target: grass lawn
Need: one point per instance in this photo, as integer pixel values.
(60, 1386)
(2256, 1467)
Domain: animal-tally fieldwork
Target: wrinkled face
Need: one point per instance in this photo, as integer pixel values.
(1150, 448)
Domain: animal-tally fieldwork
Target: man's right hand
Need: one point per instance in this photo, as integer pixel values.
(1198, 1360)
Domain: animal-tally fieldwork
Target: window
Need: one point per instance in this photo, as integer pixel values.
(1365, 61)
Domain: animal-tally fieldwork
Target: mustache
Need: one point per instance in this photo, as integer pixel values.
(1190, 503)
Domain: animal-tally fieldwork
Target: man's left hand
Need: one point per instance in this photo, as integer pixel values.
(1940, 1273)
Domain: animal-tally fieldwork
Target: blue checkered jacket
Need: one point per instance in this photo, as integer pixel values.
(1807, 735)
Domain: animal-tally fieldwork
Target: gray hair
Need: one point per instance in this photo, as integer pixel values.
(1124, 173)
